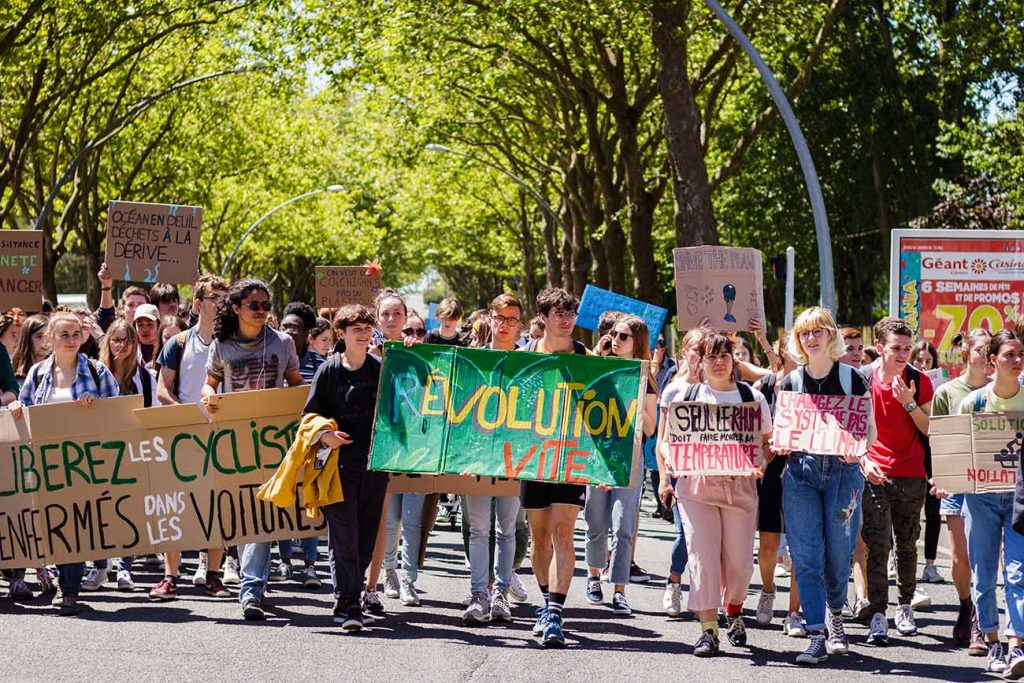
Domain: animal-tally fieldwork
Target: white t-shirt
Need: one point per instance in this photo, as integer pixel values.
(60, 395)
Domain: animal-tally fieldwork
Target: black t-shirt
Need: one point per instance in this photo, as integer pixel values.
(434, 337)
(830, 386)
(349, 398)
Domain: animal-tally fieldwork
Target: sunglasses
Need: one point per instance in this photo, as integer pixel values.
(623, 336)
(259, 306)
(419, 332)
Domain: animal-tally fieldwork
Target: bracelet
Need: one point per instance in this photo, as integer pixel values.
(105, 289)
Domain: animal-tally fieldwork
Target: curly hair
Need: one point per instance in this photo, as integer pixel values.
(227, 319)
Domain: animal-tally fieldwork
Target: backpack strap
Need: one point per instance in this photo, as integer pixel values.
(746, 392)
(147, 387)
(846, 378)
(914, 375)
(180, 340)
(796, 380)
(94, 371)
(579, 347)
(691, 393)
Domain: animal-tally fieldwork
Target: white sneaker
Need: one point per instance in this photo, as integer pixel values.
(836, 643)
(782, 567)
(860, 609)
(905, 621)
(672, 600)
(765, 608)
(930, 574)
(878, 630)
(199, 578)
(793, 626)
(124, 581)
(920, 600)
(516, 589)
(479, 610)
(407, 591)
(95, 579)
(391, 584)
(229, 572)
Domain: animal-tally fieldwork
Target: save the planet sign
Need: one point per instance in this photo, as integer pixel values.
(723, 285)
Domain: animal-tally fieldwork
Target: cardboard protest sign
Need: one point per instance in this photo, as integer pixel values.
(723, 284)
(824, 425)
(977, 453)
(596, 301)
(452, 483)
(518, 415)
(21, 270)
(338, 286)
(153, 242)
(704, 439)
(117, 479)
(938, 376)
(20, 527)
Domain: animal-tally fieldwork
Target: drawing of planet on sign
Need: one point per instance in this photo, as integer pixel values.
(729, 294)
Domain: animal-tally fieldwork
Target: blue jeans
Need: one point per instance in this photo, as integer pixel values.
(478, 510)
(821, 504)
(405, 511)
(70, 576)
(309, 549)
(989, 517)
(254, 561)
(617, 509)
(679, 557)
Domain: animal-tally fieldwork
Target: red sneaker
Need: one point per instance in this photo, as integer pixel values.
(164, 591)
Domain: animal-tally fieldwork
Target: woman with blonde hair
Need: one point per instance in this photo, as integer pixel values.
(66, 375)
(821, 494)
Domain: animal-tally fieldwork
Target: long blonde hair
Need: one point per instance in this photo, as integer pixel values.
(124, 373)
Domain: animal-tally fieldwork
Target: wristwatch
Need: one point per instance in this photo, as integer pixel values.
(910, 407)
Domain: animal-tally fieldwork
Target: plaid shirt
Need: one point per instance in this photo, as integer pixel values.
(33, 393)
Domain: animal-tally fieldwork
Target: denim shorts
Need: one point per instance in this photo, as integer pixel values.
(952, 505)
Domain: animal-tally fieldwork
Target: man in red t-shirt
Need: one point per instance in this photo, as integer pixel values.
(896, 481)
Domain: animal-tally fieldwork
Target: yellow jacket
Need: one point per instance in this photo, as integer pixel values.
(319, 487)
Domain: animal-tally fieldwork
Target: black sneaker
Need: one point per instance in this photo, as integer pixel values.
(594, 594)
(353, 620)
(737, 633)
(252, 610)
(372, 604)
(707, 645)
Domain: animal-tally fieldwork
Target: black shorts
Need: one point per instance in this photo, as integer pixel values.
(540, 495)
(769, 497)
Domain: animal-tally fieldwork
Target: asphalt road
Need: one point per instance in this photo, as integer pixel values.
(199, 638)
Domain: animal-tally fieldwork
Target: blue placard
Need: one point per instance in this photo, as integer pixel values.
(596, 301)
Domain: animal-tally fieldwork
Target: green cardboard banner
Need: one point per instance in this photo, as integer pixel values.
(549, 417)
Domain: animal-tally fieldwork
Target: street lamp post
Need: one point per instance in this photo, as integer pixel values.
(268, 214)
(803, 153)
(433, 147)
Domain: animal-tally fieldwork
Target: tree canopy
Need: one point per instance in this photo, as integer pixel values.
(510, 144)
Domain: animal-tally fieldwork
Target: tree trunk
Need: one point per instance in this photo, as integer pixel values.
(529, 251)
(694, 217)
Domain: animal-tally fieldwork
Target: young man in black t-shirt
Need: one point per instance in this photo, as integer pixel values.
(552, 509)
